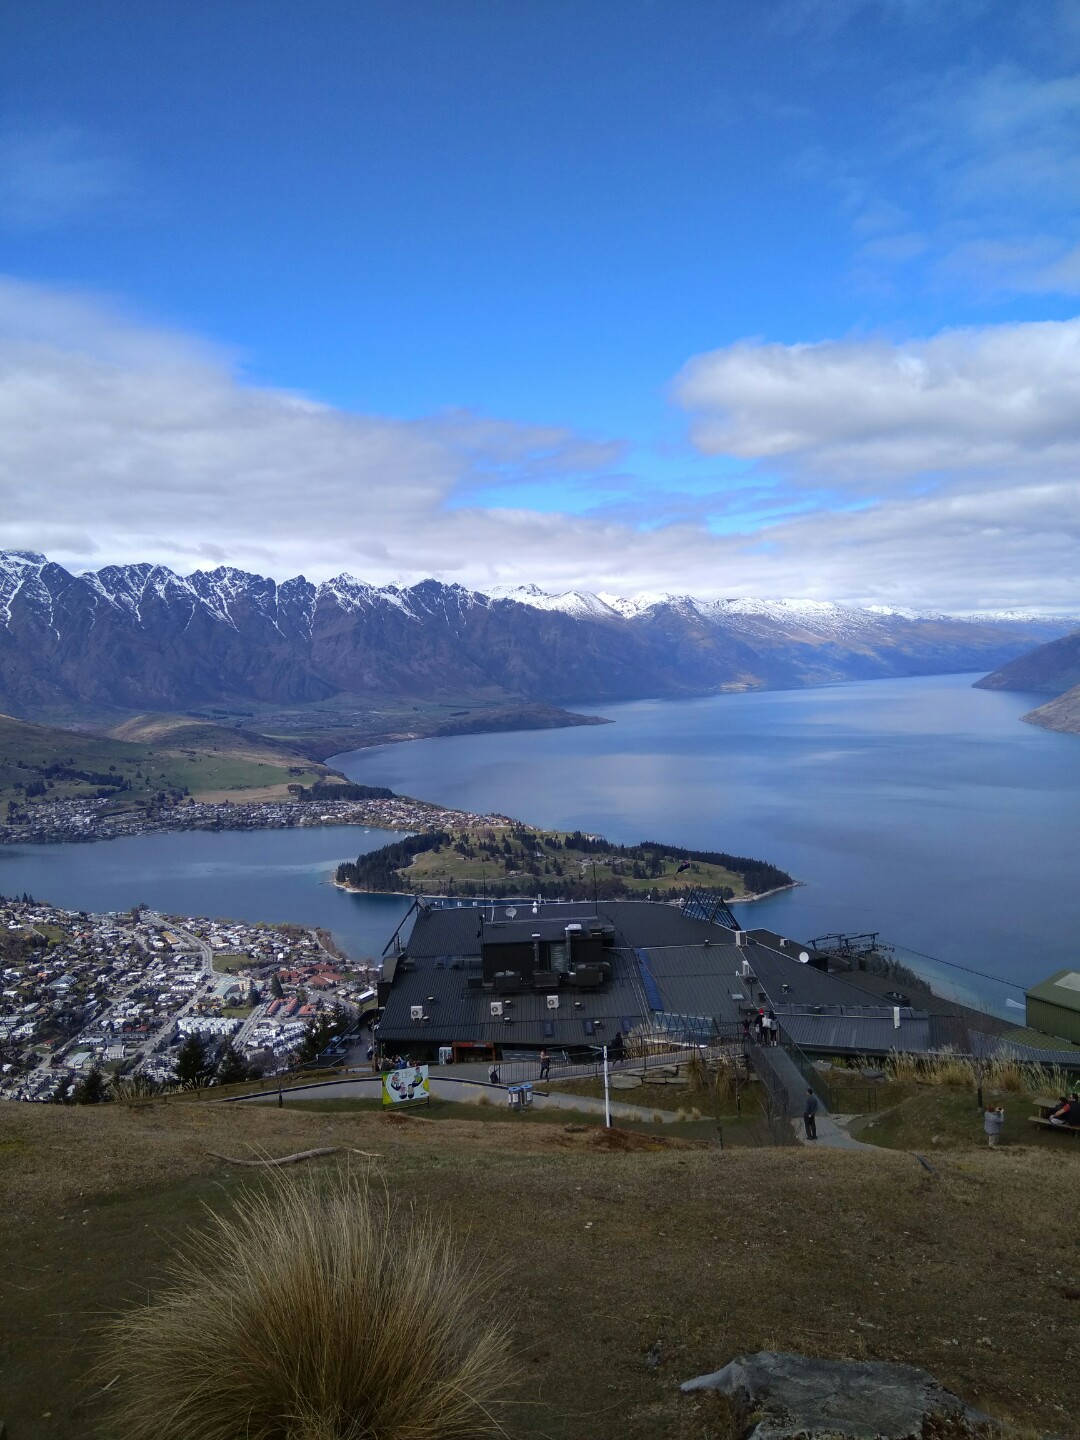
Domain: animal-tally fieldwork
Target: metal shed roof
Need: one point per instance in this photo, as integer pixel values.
(1062, 988)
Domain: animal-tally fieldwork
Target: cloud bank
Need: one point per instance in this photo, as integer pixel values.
(943, 472)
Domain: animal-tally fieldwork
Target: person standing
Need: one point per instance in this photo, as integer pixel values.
(993, 1120)
(810, 1109)
(493, 1074)
(545, 1064)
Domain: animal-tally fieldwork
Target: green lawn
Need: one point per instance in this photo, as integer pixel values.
(228, 961)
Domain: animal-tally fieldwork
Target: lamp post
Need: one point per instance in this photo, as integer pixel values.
(607, 1093)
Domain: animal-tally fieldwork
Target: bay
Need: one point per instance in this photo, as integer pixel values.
(276, 875)
(921, 808)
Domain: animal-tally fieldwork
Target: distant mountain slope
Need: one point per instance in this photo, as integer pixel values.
(1049, 669)
(1060, 714)
(150, 759)
(139, 637)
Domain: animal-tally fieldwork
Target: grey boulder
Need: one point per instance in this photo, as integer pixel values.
(791, 1396)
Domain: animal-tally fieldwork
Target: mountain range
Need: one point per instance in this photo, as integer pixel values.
(1050, 669)
(139, 637)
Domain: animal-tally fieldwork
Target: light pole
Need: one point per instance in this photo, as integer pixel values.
(607, 1093)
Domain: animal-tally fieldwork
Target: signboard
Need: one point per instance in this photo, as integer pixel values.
(409, 1083)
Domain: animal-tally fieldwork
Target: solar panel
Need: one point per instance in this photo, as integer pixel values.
(652, 990)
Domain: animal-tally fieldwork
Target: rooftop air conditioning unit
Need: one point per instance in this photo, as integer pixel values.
(496, 1009)
(416, 1012)
(553, 1002)
(740, 937)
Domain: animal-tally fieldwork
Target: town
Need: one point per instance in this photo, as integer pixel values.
(63, 821)
(119, 995)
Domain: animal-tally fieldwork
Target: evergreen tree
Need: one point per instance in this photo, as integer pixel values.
(193, 1068)
(230, 1067)
(91, 1090)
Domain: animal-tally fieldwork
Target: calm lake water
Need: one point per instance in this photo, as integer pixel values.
(920, 808)
(237, 875)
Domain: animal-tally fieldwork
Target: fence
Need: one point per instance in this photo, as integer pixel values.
(570, 1066)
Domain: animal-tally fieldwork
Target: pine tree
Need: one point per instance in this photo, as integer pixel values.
(230, 1067)
(192, 1066)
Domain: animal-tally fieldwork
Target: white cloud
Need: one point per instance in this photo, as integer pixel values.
(51, 174)
(120, 441)
(990, 401)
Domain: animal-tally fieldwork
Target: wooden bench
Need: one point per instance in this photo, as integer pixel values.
(1049, 1125)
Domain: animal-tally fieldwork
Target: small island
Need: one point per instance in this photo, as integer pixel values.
(495, 861)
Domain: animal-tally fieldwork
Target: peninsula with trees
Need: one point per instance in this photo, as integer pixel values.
(512, 859)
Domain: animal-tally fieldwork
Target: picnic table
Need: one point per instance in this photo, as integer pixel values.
(1045, 1105)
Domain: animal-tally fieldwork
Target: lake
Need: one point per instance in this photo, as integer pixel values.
(280, 875)
(920, 808)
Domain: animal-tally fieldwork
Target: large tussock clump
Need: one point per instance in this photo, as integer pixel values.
(311, 1312)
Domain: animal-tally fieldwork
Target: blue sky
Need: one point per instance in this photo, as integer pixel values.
(632, 291)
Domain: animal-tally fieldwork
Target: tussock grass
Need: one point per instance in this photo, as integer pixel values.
(312, 1311)
(1018, 1076)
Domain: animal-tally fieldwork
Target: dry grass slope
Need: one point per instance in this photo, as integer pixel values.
(682, 1253)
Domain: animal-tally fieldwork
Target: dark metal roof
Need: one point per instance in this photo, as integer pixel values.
(807, 985)
(637, 923)
(846, 1034)
(699, 979)
(662, 961)
(457, 1012)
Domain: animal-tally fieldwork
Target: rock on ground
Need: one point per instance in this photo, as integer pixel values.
(782, 1396)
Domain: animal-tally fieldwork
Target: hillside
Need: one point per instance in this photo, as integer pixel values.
(1049, 669)
(554, 864)
(628, 1263)
(138, 638)
(152, 757)
(1061, 714)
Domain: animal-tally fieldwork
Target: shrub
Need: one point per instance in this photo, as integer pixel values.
(311, 1312)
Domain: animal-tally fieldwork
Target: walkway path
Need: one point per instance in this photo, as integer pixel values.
(831, 1135)
(463, 1091)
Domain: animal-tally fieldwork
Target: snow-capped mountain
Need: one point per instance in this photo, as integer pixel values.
(139, 637)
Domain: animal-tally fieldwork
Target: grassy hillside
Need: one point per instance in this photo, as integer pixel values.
(148, 756)
(615, 1248)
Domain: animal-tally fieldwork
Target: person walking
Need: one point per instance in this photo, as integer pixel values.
(493, 1074)
(545, 1064)
(809, 1119)
(993, 1120)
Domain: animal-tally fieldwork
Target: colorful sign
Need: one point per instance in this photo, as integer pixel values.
(408, 1083)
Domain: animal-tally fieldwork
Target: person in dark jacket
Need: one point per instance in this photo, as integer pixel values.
(545, 1064)
(1067, 1112)
(809, 1119)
